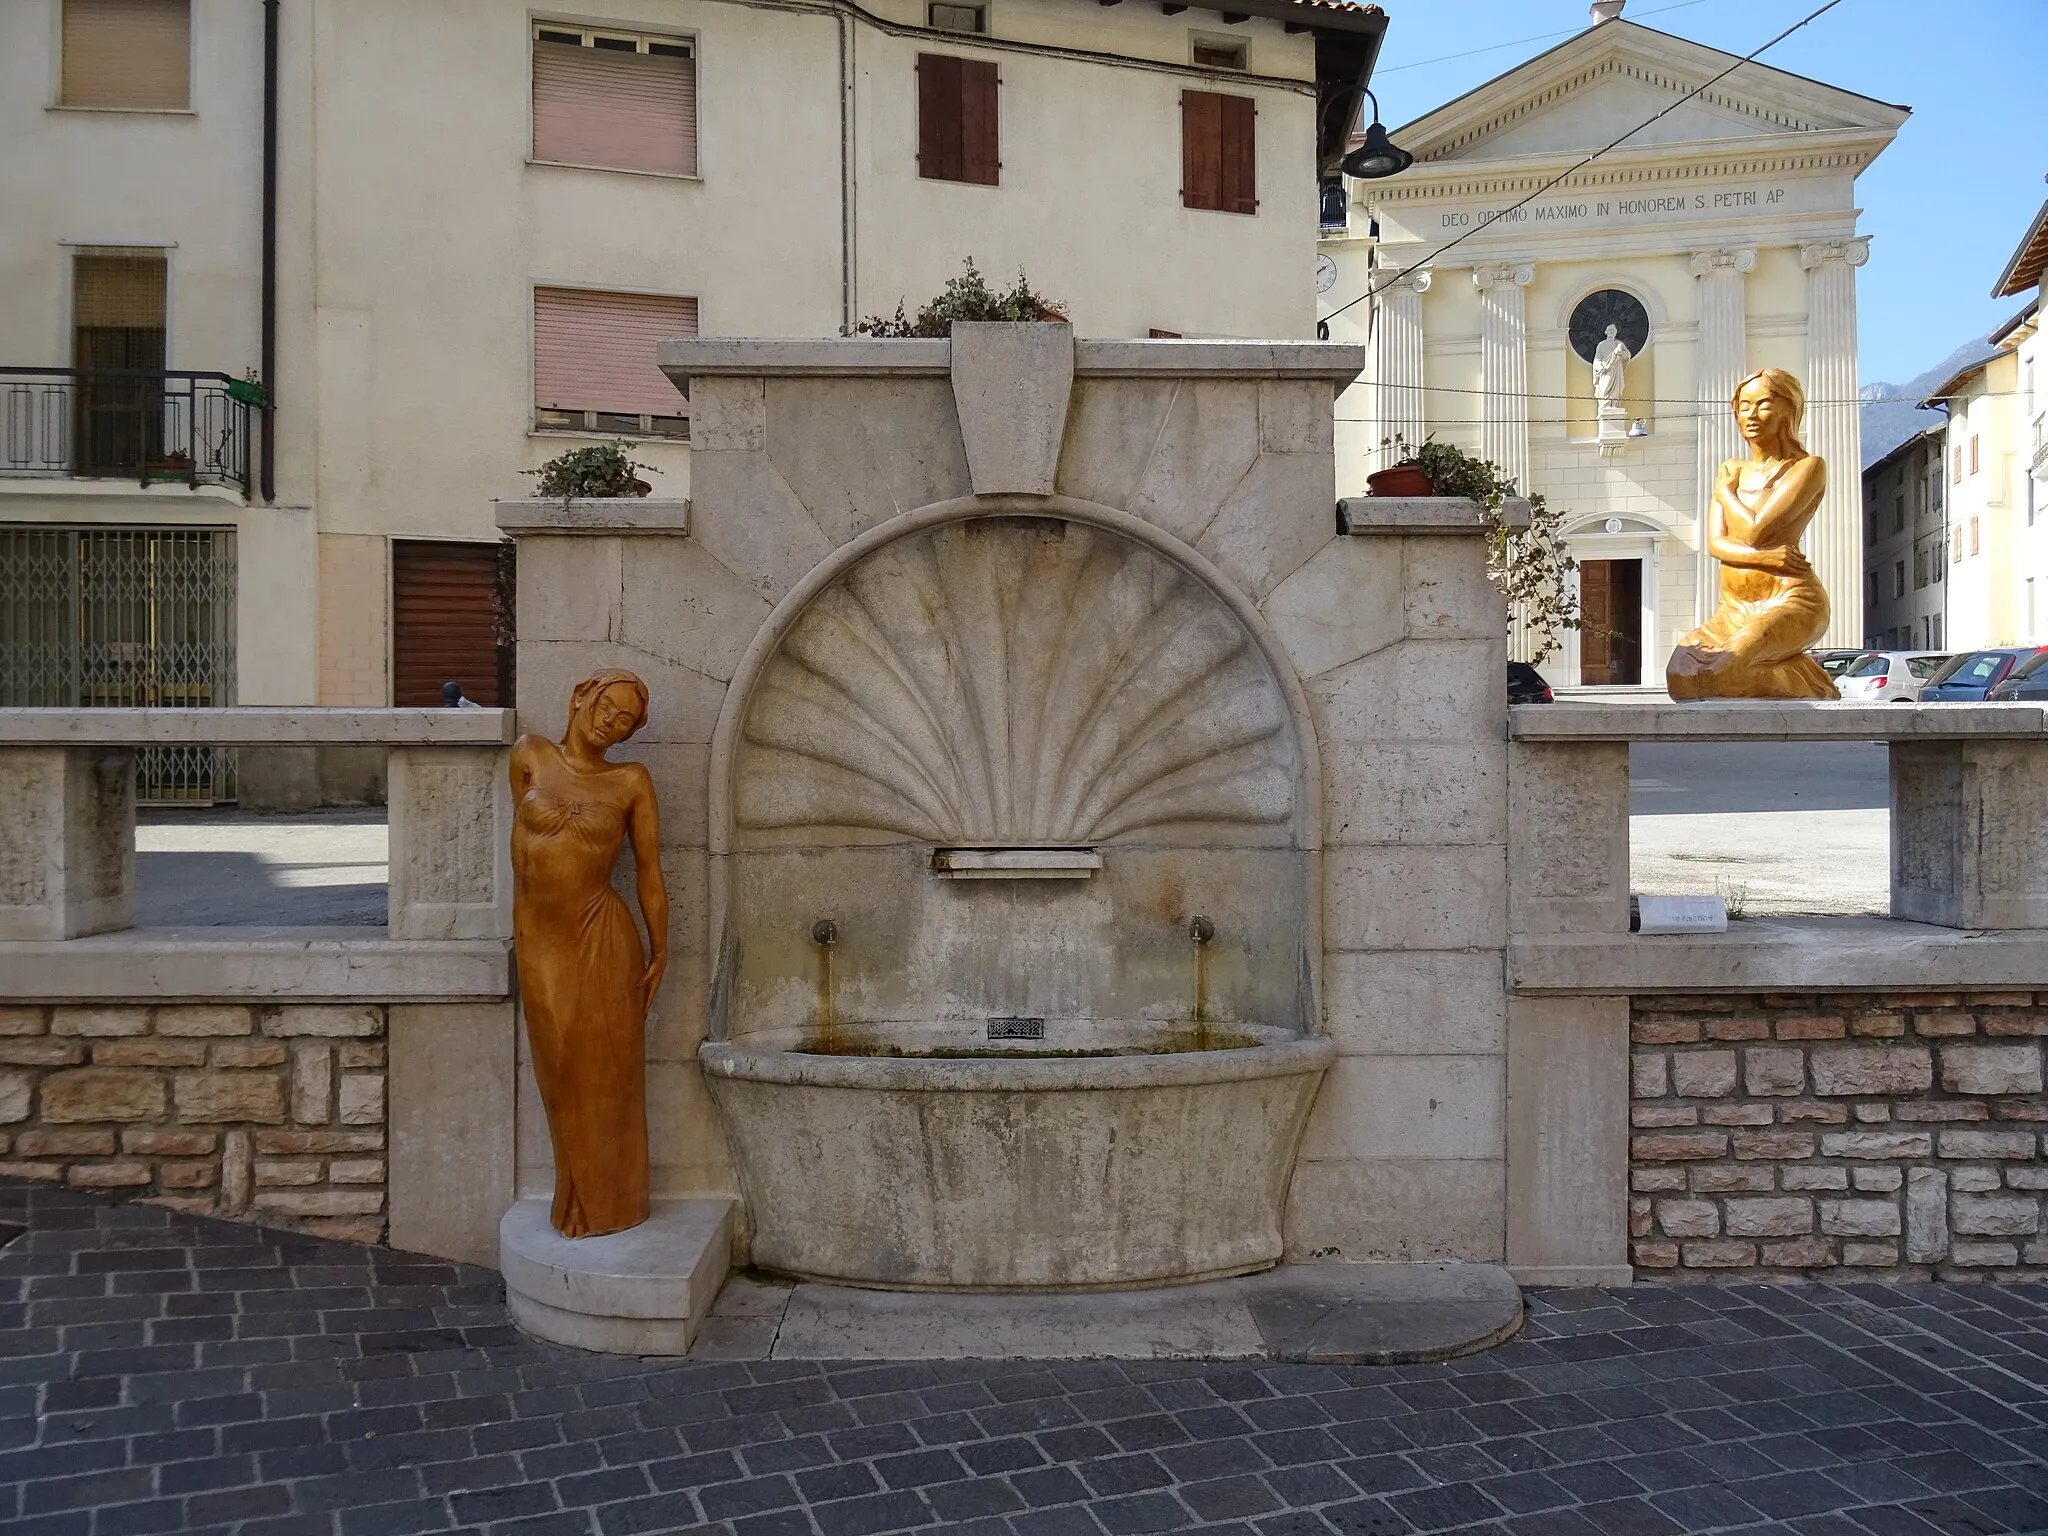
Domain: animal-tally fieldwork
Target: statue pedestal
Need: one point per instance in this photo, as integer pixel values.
(644, 1291)
(1613, 430)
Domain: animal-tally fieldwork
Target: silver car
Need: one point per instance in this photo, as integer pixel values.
(1888, 677)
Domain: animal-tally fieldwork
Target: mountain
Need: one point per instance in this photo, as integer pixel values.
(1891, 412)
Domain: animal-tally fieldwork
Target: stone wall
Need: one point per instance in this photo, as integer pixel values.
(270, 1114)
(1793, 1134)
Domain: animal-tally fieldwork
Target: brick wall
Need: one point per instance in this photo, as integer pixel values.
(271, 1114)
(1897, 1134)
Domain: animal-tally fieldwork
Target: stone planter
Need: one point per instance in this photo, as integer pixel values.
(1018, 1173)
(593, 514)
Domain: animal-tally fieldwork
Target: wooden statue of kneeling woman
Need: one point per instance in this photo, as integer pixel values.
(1772, 605)
(584, 981)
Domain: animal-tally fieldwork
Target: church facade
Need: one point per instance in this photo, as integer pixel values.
(1588, 341)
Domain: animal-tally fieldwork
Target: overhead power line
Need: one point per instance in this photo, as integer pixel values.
(1501, 213)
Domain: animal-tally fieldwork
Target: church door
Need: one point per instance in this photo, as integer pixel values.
(1611, 621)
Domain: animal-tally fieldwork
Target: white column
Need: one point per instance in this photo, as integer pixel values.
(1397, 361)
(1834, 540)
(1504, 368)
(1722, 359)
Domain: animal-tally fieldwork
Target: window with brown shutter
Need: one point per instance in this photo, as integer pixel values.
(130, 54)
(593, 362)
(1218, 152)
(956, 120)
(614, 101)
(446, 623)
(1974, 461)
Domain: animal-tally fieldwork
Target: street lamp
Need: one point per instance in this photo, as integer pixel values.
(1378, 157)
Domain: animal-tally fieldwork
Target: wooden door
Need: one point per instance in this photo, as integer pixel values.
(1596, 621)
(444, 622)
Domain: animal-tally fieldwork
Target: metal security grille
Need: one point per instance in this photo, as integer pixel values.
(125, 618)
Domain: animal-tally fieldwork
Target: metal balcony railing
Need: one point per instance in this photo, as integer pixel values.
(145, 425)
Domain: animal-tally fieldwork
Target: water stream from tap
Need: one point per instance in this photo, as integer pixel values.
(1201, 930)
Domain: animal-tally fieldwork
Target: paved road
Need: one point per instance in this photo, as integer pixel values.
(168, 1373)
(1688, 778)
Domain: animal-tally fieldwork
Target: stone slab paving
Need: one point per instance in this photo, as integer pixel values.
(1310, 1314)
(161, 1372)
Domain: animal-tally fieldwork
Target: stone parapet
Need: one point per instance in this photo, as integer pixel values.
(1806, 954)
(686, 357)
(1408, 516)
(600, 515)
(1878, 1132)
(144, 965)
(252, 725)
(1776, 720)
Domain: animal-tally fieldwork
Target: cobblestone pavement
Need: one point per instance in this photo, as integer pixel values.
(160, 1372)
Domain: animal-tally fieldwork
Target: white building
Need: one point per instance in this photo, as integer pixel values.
(482, 214)
(2026, 458)
(1719, 239)
(1998, 538)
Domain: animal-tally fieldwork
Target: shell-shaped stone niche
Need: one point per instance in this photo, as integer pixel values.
(1017, 682)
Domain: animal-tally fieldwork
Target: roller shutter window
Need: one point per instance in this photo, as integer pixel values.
(444, 622)
(132, 54)
(614, 101)
(956, 120)
(1218, 152)
(593, 362)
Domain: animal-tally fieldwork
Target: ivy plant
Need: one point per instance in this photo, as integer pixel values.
(966, 297)
(604, 469)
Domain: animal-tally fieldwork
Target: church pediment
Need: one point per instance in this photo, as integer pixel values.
(1589, 91)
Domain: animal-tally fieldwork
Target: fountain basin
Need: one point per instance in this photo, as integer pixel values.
(888, 1156)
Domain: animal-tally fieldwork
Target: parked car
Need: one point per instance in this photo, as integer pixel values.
(2027, 682)
(1888, 677)
(1526, 685)
(1970, 676)
(1832, 662)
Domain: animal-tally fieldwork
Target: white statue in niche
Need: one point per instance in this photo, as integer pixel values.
(1610, 372)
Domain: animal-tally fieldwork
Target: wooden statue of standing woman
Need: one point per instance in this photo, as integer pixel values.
(1772, 605)
(584, 980)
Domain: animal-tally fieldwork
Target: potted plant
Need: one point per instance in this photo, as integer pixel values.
(587, 474)
(1407, 478)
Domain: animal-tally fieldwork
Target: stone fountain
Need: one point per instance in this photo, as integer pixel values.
(986, 679)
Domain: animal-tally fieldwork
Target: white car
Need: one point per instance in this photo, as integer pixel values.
(1888, 677)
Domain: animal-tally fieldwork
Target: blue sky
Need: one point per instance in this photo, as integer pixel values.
(1944, 206)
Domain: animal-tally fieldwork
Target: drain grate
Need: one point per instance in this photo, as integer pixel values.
(1016, 1029)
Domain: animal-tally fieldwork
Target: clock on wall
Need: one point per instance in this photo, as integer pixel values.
(1326, 274)
(1610, 306)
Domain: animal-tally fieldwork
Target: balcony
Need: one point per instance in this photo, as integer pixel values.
(150, 426)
